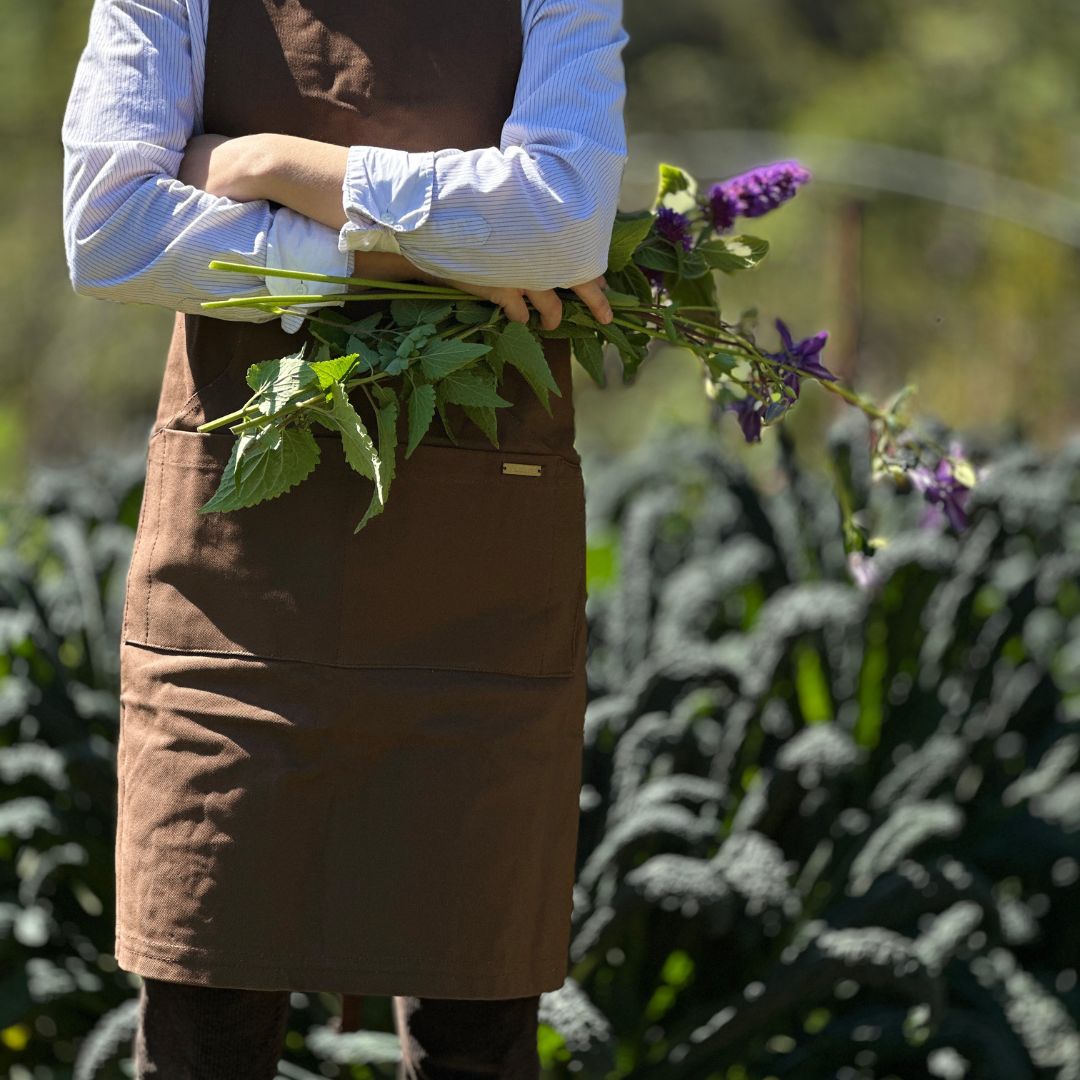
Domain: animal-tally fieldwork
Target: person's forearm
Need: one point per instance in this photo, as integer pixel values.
(303, 174)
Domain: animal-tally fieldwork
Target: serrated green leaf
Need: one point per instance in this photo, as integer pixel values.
(421, 412)
(385, 468)
(627, 232)
(589, 352)
(279, 382)
(369, 359)
(342, 417)
(445, 418)
(441, 357)
(333, 370)
(517, 346)
(386, 417)
(262, 465)
(469, 387)
(486, 419)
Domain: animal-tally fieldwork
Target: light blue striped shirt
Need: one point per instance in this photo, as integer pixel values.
(535, 212)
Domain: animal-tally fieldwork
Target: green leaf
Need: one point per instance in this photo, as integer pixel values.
(441, 357)
(410, 311)
(472, 312)
(589, 353)
(440, 405)
(692, 264)
(720, 364)
(631, 352)
(435, 313)
(359, 327)
(384, 463)
(469, 388)
(517, 346)
(672, 180)
(278, 382)
(386, 416)
(658, 254)
(262, 465)
(696, 292)
(620, 299)
(343, 418)
(627, 232)
(486, 419)
(421, 413)
(330, 371)
(369, 358)
(730, 254)
(630, 279)
(406, 312)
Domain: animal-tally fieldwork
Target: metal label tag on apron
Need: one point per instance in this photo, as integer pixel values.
(519, 468)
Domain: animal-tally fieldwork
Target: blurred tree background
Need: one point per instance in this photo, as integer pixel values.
(938, 243)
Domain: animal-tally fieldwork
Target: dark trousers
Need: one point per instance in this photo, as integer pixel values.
(189, 1032)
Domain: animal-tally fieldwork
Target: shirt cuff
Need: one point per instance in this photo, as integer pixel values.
(296, 242)
(385, 191)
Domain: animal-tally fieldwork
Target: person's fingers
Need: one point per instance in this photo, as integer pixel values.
(547, 302)
(513, 304)
(593, 295)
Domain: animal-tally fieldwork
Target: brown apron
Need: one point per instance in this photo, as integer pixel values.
(351, 763)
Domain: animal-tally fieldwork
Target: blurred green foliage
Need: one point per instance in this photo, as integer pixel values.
(826, 830)
(972, 304)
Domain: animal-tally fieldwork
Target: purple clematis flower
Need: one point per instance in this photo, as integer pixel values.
(748, 411)
(946, 495)
(804, 355)
(754, 193)
(675, 227)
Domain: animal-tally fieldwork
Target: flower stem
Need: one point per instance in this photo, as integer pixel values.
(277, 301)
(311, 275)
(224, 421)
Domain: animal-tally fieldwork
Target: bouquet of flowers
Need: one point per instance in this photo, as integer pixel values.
(440, 345)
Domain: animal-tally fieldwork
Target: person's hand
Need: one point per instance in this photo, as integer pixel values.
(546, 301)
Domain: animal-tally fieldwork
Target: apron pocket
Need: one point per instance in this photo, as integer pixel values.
(477, 564)
(262, 581)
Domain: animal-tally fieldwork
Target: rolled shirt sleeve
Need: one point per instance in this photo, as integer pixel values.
(132, 231)
(536, 211)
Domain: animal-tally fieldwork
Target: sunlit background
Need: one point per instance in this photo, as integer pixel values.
(938, 242)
